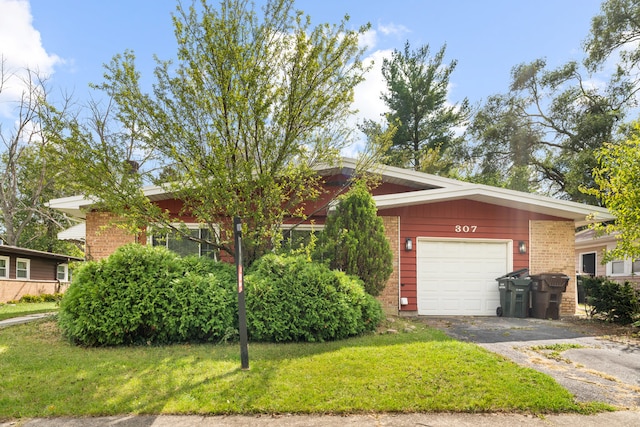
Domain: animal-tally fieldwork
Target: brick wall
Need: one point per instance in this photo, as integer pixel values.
(103, 237)
(389, 295)
(552, 250)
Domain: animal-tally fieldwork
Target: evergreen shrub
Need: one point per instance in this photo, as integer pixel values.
(148, 295)
(290, 298)
(617, 303)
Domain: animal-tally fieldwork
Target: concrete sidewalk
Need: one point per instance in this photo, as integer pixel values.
(23, 319)
(619, 419)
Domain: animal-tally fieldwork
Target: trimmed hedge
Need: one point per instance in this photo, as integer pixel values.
(148, 295)
(292, 299)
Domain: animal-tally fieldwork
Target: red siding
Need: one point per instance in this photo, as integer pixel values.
(458, 219)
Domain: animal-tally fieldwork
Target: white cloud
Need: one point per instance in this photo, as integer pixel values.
(20, 49)
(393, 29)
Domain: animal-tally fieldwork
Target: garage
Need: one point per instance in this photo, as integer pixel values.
(457, 276)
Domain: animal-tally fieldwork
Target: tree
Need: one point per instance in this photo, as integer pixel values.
(353, 240)
(418, 85)
(29, 175)
(542, 134)
(618, 187)
(251, 104)
(617, 29)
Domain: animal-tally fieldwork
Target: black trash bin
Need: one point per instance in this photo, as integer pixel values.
(514, 294)
(546, 294)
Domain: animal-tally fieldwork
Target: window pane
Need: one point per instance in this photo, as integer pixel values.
(206, 249)
(636, 266)
(617, 267)
(3, 267)
(62, 272)
(183, 246)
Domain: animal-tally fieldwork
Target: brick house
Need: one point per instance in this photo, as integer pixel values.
(450, 239)
(28, 272)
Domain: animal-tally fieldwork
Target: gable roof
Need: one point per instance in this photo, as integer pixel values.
(580, 213)
(428, 189)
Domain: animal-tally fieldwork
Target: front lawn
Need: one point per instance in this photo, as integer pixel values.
(422, 370)
(8, 311)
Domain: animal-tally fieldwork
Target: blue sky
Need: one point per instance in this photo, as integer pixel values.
(70, 40)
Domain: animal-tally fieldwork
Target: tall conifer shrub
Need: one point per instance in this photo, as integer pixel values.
(353, 240)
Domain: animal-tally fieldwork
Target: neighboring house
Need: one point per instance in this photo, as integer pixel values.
(450, 239)
(590, 249)
(28, 272)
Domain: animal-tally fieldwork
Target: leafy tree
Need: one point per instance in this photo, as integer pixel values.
(29, 174)
(426, 123)
(237, 122)
(542, 134)
(353, 240)
(616, 29)
(618, 187)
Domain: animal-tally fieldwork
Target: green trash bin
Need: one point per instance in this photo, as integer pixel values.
(514, 290)
(546, 294)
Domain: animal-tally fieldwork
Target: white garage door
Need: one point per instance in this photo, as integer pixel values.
(458, 277)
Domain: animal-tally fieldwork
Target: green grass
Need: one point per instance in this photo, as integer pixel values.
(42, 375)
(7, 311)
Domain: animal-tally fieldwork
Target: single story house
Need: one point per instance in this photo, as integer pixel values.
(450, 239)
(590, 249)
(29, 272)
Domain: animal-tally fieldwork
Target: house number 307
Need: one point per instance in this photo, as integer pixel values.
(466, 228)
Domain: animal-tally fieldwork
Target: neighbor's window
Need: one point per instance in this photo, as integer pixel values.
(617, 267)
(22, 268)
(62, 272)
(4, 267)
(635, 266)
(184, 246)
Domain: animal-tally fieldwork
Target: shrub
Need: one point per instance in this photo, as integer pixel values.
(292, 299)
(354, 240)
(615, 302)
(147, 295)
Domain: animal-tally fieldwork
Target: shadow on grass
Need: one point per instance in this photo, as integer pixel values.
(420, 370)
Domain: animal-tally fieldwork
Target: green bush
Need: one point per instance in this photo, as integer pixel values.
(148, 295)
(615, 302)
(292, 299)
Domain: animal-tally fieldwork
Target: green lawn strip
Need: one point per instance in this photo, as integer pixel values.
(42, 375)
(8, 311)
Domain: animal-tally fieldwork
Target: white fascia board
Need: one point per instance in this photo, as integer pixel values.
(395, 174)
(502, 197)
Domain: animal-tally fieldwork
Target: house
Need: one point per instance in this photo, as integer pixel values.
(29, 272)
(590, 249)
(450, 239)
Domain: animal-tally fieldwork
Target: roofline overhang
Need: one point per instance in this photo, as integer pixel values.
(580, 213)
(32, 252)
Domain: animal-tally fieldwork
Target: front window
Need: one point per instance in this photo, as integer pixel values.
(635, 266)
(22, 268)
(617, 267)
(62, 273)
(184, 246)
(298, 236)
(4, 267)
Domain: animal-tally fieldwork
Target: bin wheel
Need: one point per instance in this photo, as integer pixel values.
(499, 311)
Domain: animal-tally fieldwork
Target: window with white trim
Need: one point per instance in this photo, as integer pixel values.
(62, 272)
(617, 267)
(184, 246)
(300, 235)
(23, 266)
(4, 267)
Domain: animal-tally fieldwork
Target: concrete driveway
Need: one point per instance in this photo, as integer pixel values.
(590, 366)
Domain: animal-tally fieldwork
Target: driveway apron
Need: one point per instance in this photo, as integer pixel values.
(593, 368)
